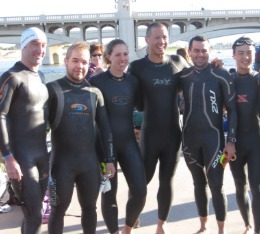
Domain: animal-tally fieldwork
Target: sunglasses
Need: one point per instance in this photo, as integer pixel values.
(95, 55)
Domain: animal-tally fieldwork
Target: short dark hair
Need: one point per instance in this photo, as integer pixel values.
(242, 41)
(154, 25)
(197, 38)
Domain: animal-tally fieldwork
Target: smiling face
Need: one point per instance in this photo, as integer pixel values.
(118, 59)
(244, 57)
(199, 54)
(77, 65)
(33, 54)
(157, 42)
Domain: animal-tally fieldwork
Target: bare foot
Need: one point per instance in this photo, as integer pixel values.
(137, 223)
(203, 231)
(161, 227)
(127, 230)
(248, 230)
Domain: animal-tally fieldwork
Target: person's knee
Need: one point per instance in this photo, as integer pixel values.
(255, 190)
(216, 188)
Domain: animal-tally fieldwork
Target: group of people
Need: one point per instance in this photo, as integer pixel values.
(90, 113)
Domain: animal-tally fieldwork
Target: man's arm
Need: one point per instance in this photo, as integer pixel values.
(228, 90)
(105, 133)
(7, 90)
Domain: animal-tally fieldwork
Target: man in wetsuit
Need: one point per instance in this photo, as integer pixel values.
(75, 107)
(161, 135)
(247, 84)
(206, 89)
(24, 113)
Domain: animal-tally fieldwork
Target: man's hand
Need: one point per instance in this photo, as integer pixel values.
(217, 62)
(13, 169)
(230, 149)
(110, 170)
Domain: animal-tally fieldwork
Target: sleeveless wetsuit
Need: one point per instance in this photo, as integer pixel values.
(120, 99)
(161, 135)
(74, 109)
(205, 92)
(24, 113)
(248, 146)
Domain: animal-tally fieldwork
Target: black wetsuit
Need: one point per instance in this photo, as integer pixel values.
(161, 135)
(74, 110)
(24, 113)
(248, 146)
(205, 92)
(120, 99)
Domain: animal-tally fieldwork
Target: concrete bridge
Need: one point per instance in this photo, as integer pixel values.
(128, 25)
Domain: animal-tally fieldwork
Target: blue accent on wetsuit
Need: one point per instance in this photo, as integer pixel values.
(120, 99)
(205, 93)
(161, 135)
(23, 123)
(74, 159)
(248, 146)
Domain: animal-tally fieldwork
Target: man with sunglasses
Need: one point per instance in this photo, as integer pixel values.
(247, 85)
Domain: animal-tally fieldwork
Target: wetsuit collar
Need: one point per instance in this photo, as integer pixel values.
(74, 83)
(199, 71)
(118, 79)
(251, 73)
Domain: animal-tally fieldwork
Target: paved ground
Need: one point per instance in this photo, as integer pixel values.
(182, 220)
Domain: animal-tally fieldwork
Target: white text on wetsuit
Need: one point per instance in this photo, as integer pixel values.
(164, 81)
(213, 100)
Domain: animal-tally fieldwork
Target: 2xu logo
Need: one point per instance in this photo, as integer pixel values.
(213, 99)
(216, 161)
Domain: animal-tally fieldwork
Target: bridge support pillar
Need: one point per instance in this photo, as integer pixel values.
(126, 33)
(54, 55)
(47, 59)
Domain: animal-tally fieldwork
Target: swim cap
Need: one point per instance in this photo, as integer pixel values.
(32, 34)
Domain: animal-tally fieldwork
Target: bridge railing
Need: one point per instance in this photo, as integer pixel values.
(196, 14)
(136, 15)
(58, 18)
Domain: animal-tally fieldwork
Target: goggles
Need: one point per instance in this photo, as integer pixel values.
(243, 41)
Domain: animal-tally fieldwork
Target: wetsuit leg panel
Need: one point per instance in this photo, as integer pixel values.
(150, 155)
(30, 195)
(254, 181)
(211, 149)
(131, 163)
(194, 161)
(64, 190)
(240, 178)
(109, 205)
(87, 190)
(169, 159)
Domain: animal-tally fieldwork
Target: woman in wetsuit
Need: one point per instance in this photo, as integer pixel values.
(75, 108)
(120, 91)
(247, 85)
